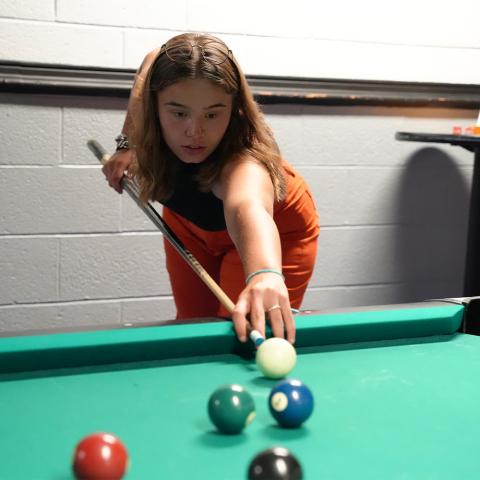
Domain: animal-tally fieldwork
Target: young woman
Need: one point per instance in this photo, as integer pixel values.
(196, 141)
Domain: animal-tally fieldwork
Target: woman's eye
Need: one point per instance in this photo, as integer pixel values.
(212, 115)
(180, 114)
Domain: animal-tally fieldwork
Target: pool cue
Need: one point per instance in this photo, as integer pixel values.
(130, 187)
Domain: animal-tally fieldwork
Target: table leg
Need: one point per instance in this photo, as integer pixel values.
(472, 267)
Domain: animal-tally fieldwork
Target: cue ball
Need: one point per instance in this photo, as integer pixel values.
(276, 357)
(275, 464)
(231, 408)
(290, 403)
(100, 456)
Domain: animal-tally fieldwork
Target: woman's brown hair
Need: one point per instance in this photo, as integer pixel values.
(247, 135)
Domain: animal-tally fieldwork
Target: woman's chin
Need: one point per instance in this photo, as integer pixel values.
(192, 155)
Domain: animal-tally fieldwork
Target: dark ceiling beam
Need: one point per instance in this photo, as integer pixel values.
(19, 77)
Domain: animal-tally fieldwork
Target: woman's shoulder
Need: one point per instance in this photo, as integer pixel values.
(241, 162)
(148, 61)
(240, 171)
(139, 81)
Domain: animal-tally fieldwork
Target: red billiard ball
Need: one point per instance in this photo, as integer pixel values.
(100, 456)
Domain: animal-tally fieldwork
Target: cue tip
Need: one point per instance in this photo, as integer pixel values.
(257, 338)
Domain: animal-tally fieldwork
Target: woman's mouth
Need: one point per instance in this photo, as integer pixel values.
(194, 149)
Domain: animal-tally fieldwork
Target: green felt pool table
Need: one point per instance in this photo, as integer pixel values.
(396, 388)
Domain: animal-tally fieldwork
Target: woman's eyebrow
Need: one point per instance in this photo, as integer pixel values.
(176, 104)
(215, 105)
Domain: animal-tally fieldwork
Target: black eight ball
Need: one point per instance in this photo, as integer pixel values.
(275, 464)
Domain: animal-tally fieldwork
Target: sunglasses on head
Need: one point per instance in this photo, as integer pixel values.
(213, 52)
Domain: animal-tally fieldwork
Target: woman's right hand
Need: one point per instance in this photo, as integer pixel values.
(116, 167)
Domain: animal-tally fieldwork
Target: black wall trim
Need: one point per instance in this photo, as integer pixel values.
(17, 77)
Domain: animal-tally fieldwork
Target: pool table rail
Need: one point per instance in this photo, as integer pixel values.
(159, 342)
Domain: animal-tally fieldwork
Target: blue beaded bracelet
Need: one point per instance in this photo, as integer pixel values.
(264, 270)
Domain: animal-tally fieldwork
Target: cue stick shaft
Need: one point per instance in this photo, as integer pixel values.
(103, 156)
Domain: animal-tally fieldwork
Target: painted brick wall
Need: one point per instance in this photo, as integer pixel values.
(419, 41)
(393, 214)
(73, 251)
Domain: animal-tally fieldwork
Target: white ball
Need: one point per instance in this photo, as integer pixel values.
(276, 357)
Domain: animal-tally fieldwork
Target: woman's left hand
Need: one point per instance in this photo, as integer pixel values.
(265, 296)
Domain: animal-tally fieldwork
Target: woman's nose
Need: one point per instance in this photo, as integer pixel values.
(194, 128)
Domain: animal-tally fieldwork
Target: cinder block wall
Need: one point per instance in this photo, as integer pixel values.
(421, 41)
(393, 214)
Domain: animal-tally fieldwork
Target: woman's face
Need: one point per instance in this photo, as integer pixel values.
(194, 115)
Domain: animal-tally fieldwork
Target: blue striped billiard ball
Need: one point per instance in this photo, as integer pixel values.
(290, 403)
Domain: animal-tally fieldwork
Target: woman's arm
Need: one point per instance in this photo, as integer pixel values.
(121, 160)
(248, 197)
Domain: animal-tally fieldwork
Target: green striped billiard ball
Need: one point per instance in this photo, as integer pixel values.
(231, 408)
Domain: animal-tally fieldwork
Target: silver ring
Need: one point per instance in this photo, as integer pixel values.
(274, 307)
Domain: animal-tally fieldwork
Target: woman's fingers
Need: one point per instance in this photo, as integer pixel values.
(116, 168)
(261, 301)
(239, 318)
